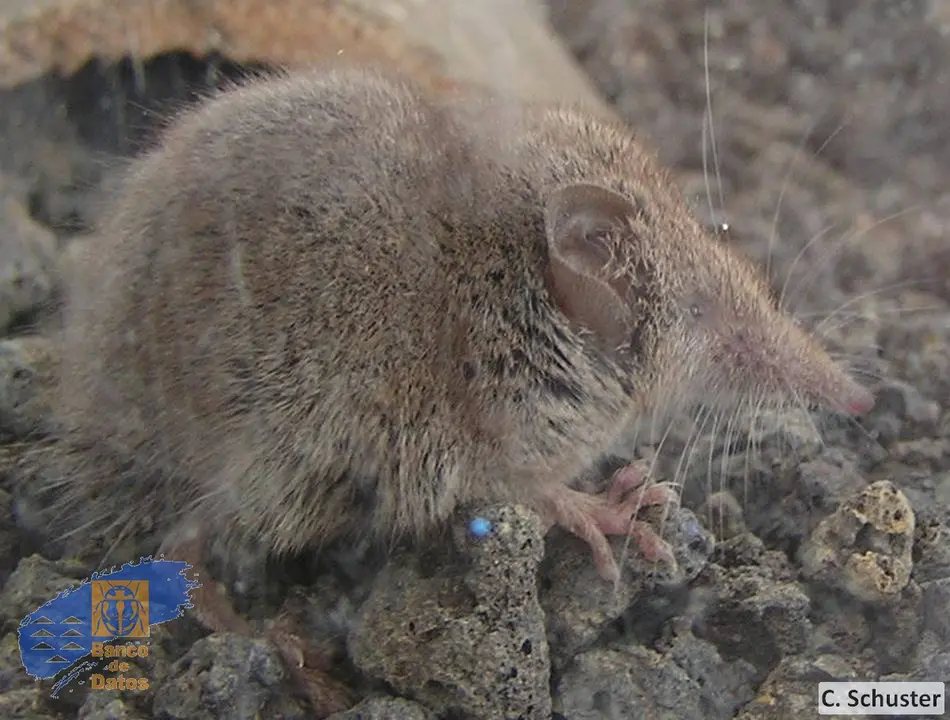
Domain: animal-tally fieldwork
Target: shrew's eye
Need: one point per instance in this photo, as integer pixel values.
(695, 311)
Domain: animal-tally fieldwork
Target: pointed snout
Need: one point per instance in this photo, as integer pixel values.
(813, 374)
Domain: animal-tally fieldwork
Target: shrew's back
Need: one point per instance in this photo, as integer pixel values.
(294, 279)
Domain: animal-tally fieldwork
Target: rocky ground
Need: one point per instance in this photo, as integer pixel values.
(832, 552)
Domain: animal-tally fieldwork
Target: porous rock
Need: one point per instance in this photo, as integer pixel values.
(579, 603)
(9, 538)
(106, 706)
(934, 665)
(901, 412)
(230, 677)
(920, 453)
(27, 257)
(840, 626)
(865, 546)
(690, 680)
(932, 542)
(781, 503)
(781, 493)
(385, 708)
(824, 483)
(630, 682)
(167, 642)
(897, 630)
(742, 549)
(26, 386)
(25, 704)
(722, 514)
(789, 691)
(887, 636)
(34, 582)
(790, 435)
(936, 606)
(12, 674)
(722, 684)
(749, 614)
(463, 635)
(792, 430)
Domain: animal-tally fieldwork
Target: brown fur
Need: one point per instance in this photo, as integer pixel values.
(326, 303)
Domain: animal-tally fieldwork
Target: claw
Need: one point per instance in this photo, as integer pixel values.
(326, 695)
(593, 517)
(633, 477)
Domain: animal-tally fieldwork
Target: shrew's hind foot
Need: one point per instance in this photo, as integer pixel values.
(593, 517)
(306, 664)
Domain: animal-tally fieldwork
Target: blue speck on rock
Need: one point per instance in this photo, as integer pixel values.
(480, 527)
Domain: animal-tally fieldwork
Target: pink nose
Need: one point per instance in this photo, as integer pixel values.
(861, 401)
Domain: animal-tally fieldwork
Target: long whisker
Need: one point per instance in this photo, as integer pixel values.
(840, 245)
(650, 473)
(785, 186)
(878, 312)
(682, 469)
(710, 463)
(726, 450)
(709, 121)
(798, 258)
(800, 401)
(752, 444)
(863, 296)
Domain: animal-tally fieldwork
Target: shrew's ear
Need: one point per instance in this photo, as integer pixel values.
(578, 220)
